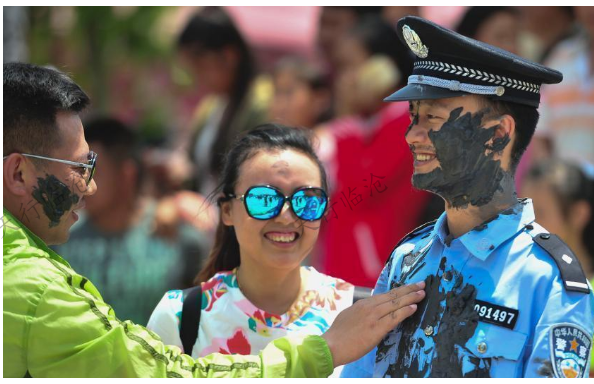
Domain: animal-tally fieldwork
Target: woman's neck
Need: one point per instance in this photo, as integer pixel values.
(273, 291)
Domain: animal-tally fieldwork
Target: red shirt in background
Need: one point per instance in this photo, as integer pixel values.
(373, 204)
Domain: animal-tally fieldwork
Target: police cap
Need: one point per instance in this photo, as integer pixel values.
(448, 64)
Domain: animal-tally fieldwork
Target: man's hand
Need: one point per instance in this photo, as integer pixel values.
(358, 329)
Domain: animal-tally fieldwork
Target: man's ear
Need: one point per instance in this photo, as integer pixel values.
(226, 213)
(17, 174)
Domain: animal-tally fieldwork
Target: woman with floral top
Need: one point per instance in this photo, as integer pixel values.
(254, 290)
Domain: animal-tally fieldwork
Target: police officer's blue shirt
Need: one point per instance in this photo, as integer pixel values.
(496, 306)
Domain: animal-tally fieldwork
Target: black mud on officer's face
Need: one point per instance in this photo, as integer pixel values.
(455, 151)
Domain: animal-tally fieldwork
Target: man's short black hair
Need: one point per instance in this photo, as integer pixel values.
(526, 118)
(33, 95)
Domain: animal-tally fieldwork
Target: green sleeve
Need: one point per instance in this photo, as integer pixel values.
(75, 334)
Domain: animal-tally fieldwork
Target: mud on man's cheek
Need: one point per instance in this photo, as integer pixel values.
(55, 197)
(468, 172)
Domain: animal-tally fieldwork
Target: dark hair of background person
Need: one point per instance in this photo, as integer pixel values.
(224, 255)
(33, 95)
(308, 73)
(118, 140)
(476, 16)
(380, 38)
(212, 30)
(525, 117)
(569, 184)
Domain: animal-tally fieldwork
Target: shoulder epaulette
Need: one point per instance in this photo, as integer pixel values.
(411, 234)
(572, 274)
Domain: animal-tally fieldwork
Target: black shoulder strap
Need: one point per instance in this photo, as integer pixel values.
(571, 271)
(190, 318)
(409, 235)
(361, 293)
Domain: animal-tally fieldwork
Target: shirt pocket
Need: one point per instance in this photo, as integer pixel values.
(495, 349)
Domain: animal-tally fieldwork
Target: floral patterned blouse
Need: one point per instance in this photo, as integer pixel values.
(230, 323)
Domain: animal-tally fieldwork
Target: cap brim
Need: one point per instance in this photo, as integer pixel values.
(422, 92)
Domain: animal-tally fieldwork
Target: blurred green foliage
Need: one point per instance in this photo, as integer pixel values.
(91, 42)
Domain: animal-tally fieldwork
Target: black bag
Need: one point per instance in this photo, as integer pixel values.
(190, 318)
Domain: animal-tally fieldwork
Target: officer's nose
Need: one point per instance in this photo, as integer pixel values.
(416, 133)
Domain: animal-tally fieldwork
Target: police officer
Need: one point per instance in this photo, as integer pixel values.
(505, 298)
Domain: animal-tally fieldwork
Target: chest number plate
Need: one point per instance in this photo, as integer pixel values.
(496, 314)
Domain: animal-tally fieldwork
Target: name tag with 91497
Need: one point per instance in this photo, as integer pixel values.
(496, 314)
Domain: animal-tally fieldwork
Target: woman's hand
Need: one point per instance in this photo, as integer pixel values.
(358, 329)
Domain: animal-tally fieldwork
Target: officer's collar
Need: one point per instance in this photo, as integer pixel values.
(484, 239)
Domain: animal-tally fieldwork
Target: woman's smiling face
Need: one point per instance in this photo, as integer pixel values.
(285, 241)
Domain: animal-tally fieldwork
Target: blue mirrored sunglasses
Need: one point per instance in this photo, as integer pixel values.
(264, 202)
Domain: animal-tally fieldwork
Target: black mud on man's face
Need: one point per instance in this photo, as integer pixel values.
(468, 174)
(55, 197)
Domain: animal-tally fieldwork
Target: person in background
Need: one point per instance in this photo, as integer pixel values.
(212, 48)
(114, 244)
(566, 127)
(254, 289)
(335, 22)
(366, 159)
(302, 95)
(543, 28)
(497, 26)
(563, 196)
(55, 322)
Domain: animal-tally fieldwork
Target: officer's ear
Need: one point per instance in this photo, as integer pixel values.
(506, 129)
(503, 139)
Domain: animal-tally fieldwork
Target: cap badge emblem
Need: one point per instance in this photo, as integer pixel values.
(414, 42)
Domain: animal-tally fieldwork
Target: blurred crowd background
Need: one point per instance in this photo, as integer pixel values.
(171, 87)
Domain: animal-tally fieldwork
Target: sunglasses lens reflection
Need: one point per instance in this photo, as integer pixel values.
(309, 204)
(263, 203)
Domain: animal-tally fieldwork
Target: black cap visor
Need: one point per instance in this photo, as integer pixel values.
(423, 92)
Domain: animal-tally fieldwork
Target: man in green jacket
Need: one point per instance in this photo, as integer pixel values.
(55, 321)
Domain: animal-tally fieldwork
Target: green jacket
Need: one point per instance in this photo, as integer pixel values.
(57, 325)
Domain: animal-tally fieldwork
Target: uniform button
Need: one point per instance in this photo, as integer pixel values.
(482, 347)
(428, 330)
(545, 236)
(447, 276)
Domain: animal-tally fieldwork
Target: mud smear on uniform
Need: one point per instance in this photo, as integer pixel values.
(55, 197)
(454, 313)
(468, 174)
(546, 369)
